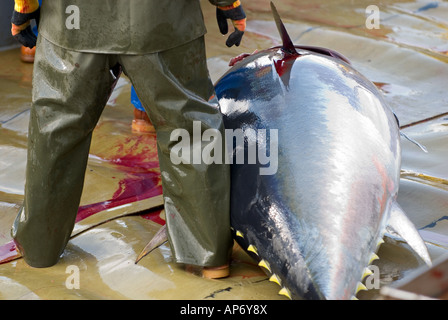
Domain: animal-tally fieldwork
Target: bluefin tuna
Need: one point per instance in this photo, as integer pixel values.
(314, 224)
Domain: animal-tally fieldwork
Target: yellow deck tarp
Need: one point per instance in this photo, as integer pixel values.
(121, 204)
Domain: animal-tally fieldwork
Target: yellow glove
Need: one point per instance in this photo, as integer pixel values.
(24, 12)
(236, 14)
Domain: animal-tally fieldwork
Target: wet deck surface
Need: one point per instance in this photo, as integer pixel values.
(121, 204)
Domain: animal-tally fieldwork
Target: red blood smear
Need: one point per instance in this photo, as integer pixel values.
(8, 252)
(438, 274)
(142, 181)
(284, 66)
(154, 216)
(136, 187)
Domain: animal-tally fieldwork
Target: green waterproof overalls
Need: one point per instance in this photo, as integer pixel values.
(160, 47)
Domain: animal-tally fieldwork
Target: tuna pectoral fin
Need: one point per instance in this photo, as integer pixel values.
(160, 238)
(414, 142)
(401, 224)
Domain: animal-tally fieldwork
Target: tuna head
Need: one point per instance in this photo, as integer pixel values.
(314, 215)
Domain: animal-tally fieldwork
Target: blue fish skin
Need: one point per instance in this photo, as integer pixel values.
(317, 219)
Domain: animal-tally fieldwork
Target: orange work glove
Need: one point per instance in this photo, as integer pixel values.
(24, 12)
(236, 14)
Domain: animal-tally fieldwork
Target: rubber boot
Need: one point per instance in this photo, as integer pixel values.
(209, 272)
(27, 54)
(141, 122)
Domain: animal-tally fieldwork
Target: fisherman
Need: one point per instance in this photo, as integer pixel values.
(81, 47)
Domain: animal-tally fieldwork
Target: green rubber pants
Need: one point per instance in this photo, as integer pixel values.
(70, 91)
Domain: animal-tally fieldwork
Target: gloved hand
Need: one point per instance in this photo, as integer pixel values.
(235, 13)
(24, 12)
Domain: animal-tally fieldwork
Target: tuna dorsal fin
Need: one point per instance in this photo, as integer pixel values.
(401, 224)
(287, 46)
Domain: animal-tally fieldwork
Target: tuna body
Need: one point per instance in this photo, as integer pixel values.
(318, 218)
